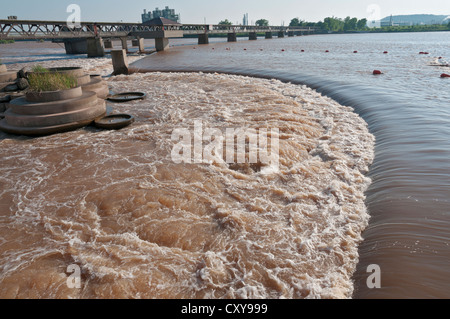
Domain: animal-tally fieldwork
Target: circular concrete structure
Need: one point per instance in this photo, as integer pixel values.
(33, 118)
(40, 97)
(97, 85)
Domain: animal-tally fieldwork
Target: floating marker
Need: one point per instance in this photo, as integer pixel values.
(303, 51)
(326, 51)
(385, 52)
(355, 51)
(282, 50)
(444, 75)
(377, 72)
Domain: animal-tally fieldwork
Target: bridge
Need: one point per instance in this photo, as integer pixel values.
(93, 37)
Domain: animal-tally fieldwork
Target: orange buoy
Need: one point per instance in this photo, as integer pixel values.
(444, 75)
(377, 72)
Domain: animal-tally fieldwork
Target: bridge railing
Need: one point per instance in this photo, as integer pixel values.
(26, 29)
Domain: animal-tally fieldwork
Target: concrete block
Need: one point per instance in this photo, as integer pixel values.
(120, 62)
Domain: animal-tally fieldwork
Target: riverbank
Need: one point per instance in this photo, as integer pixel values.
(139, 225)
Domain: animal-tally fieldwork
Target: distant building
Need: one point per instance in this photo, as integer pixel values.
(157, 13)
(245, 20)
(12, 18)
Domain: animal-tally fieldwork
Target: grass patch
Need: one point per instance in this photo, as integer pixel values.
(39, 69)
(6, 41)
(45, 81)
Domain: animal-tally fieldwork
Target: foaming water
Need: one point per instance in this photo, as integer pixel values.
(141, 226)
(406, 109)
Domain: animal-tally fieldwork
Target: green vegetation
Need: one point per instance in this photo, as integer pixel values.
(413, 28)
(39, 69)
(42, 80)
(333, 24)
(6, 41)
(262, 23)
(337, 25)
(225, 22)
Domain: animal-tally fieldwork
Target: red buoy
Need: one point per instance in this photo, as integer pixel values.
(385, 52)
(326, 51)
(355, 51)
(424, 53)
(303, 51)
(377, 72)
(444, 75)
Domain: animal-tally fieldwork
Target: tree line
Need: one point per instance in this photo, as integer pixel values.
(338, 25)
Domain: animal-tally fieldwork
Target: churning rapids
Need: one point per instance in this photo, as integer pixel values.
(141, 226)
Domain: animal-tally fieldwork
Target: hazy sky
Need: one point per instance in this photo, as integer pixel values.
(195, 11)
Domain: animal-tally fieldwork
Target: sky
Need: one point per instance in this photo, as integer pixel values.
(278, 12)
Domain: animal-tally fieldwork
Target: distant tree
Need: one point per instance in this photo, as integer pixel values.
(362, 24)
(262, 23)
(225, 22)
(294, 22)
(448, 25)
(350, 24)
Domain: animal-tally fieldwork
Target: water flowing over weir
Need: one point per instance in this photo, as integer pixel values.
(408, 201)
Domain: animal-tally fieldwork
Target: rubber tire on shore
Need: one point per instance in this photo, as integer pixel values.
(106, 124)
(127, 97)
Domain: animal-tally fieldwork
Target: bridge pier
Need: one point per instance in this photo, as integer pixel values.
(124, 42)
(75, 46)
(269, 35)
(120, 62)
(291, 34)
(232, 37)
(161, 44)
(281, 34)
(203, 38)
(108, 43)
(253, 36)
(139, 42)
(95, 48)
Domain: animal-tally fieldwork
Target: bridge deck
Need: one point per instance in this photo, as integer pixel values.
(36, 30)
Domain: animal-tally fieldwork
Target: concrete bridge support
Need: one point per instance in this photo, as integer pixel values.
(75, 46)
(232, 37)
(108, 43)
(139, 42)
(281, 34)
(120, 62)
(253, 36)
(95, 48)
(269, 35)
(161, 44)
(291, 34)
(203, 39)
(124, 43)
